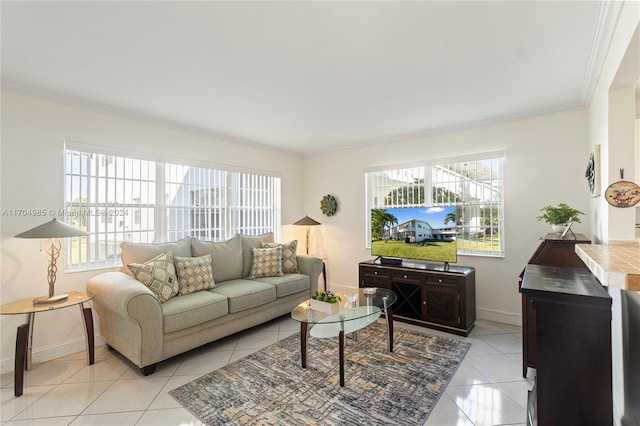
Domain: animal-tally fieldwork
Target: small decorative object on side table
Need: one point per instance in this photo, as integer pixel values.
(560, 216)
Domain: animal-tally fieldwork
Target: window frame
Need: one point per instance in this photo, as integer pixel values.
(478, 230)
(256, 212)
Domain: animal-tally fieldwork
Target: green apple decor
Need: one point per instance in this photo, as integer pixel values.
(559, 215)
(326, 296)
(325, 301)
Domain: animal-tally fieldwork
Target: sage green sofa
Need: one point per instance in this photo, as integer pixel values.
(135, 323)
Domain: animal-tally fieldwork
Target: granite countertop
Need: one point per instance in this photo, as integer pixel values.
(615, 264)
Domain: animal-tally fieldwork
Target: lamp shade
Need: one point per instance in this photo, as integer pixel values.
(307, 221)
(53, 229)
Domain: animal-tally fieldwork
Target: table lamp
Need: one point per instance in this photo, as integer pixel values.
(307, 222)
(52, 231)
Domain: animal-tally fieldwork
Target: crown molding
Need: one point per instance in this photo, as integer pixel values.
(605, 23)
(133, 115)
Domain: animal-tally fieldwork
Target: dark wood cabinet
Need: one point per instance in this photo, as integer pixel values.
(552, 251)
(427, 294)
(573, 331)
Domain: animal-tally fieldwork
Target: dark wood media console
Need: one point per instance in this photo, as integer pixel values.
(428, 295)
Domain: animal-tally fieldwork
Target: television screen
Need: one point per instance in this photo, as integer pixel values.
(422, 233)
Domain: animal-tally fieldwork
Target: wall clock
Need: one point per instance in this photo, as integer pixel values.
(329, 205)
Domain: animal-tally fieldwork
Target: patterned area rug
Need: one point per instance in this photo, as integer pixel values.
(270, 387)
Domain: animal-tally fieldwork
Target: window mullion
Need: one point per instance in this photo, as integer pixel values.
(160, 221)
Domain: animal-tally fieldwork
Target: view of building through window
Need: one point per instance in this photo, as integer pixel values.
(474, 187)
(118, 199)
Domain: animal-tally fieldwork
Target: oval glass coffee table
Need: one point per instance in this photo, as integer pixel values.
(349, 318)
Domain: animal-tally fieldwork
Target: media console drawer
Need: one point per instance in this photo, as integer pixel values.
(440, 280)
(427, 294)
(407, 276)
(376, 277)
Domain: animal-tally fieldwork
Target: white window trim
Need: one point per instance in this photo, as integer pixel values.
(160, 206)
(427, 164)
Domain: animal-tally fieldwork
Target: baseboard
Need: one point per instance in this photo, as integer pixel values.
(51, 352)
(337, 287)
(513, 318)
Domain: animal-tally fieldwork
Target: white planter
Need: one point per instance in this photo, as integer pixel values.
(558, 228)
(324, 307)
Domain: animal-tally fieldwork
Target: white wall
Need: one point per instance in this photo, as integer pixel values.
(611, 124)
(621, 155)
(545, 162)
(606, 109)
(32, 177)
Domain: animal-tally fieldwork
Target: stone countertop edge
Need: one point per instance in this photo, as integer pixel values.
(616, 264)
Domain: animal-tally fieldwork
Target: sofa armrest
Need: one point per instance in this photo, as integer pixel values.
(312, 266)
(131, 319)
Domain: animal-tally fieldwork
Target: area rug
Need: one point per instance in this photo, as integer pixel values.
(270, 387)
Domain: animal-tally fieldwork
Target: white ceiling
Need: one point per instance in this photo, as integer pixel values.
(309, 77)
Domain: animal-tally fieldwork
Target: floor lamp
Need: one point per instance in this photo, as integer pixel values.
(52, 231)
(307, 222)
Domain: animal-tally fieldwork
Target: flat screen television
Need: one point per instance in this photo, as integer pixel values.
(419, 233)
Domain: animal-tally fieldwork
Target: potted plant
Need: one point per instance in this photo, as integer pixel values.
(325, 301)
(559, 216)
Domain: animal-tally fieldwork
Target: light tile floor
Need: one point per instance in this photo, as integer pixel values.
(488, 388)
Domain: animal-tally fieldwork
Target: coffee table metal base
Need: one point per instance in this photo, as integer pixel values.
(304, 328)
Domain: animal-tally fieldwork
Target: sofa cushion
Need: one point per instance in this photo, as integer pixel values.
(141, 252)
(244, 294)
(250, 242)
(226, 257)
(192, 309)
(159, 274)
(289, 259)
(194, 273)
(288, 284)
(267, 262)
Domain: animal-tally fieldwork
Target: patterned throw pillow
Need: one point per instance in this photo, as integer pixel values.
(194, 273)
(289, 259)
(267, 262)
(159, 274)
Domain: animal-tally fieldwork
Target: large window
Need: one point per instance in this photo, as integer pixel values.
(474, 186)
(118, 198)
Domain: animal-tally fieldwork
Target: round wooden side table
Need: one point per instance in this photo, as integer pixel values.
(24, 334)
